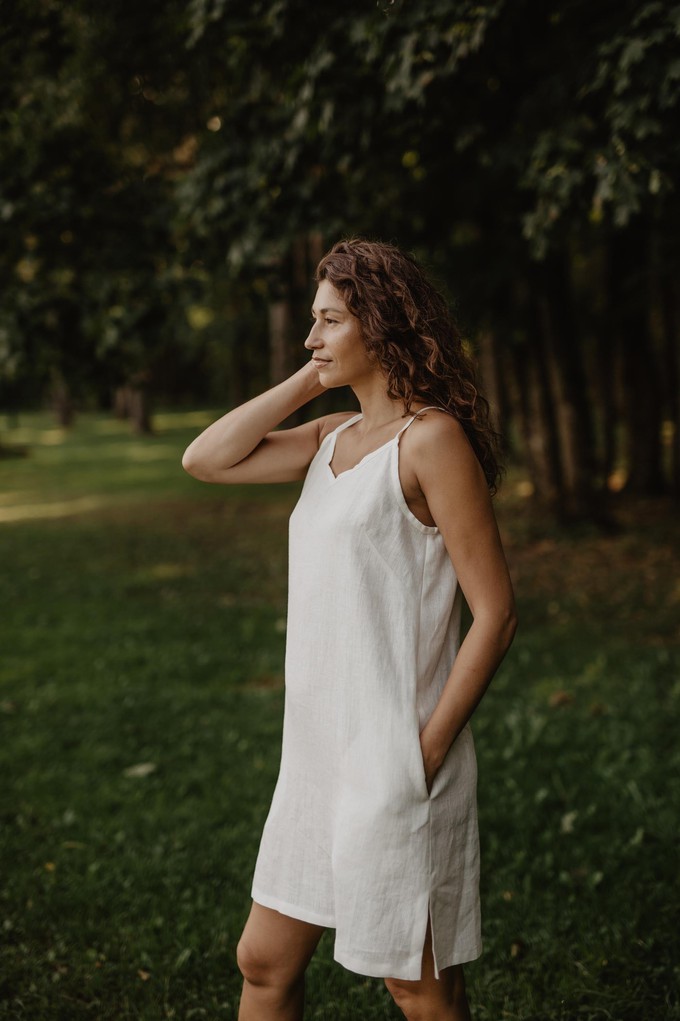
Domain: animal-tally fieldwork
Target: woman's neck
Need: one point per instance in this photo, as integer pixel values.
(377, 409)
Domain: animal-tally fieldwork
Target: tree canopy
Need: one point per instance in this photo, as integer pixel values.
(169, 170)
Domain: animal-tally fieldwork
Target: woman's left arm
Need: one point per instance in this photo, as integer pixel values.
(454, 486)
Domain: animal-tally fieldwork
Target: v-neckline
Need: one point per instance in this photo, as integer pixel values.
(366, 457)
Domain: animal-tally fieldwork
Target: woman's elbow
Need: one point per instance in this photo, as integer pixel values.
(498, 621)
(193, 465)
(188, 462)
(509, 623)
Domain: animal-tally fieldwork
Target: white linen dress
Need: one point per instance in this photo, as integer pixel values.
(353, 841)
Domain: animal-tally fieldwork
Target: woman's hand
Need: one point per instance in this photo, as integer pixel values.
(432, 760)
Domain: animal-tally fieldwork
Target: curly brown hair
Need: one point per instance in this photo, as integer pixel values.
(407, 326)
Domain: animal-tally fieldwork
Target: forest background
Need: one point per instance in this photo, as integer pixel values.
(170, 172)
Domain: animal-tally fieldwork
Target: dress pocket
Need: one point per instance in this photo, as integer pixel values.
(419, 768)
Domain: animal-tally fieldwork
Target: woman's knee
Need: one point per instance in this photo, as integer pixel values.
(431, 1000)
(267, 967)
(400, 993)
(414, 1002)
(257, 967)
(274, 950)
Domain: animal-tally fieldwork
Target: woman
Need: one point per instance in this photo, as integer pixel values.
(373, 824)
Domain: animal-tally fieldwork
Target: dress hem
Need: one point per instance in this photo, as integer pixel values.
(292, 910)
(409, 972)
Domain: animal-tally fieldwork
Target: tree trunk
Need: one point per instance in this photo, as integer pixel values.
(121, 402)
(133, 401)
(239, 367)
(315, 247)
(61, 400)
(630, 301)
(607, 364)
(569, 390)
(139, 403)
(666, 303)
(140, 410)
(670, 317)
(279, 334)
(538, 426)
(491, 373)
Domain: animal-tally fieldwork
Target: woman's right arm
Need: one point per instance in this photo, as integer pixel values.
(242, 446)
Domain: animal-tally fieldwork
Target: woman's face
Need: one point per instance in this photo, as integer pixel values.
(338, 351)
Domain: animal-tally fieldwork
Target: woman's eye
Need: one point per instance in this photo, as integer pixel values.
(330, 320)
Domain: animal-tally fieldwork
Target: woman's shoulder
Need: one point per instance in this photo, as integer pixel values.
(431, 423)
(435, 433)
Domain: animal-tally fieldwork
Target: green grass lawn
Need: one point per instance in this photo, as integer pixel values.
(142, 632)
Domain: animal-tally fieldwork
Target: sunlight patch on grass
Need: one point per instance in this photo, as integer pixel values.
(14, 496)
(45, 437)
(184, 419)
(53, 437)
(58, 509)
(167, 571)
(137, 452)
(112, 427)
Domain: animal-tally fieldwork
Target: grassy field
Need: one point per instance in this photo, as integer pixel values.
(142, 633)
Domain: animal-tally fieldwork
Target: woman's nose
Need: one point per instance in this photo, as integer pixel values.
(313, 339)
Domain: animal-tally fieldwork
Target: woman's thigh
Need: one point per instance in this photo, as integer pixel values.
(274, 947)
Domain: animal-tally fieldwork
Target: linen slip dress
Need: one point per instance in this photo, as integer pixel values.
(353, 841)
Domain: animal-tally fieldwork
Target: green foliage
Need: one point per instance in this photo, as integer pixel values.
(160, 164)
(137, 141)
(130, 137)
(370, 117)
(140, 714)
(610, 152)
(89, 260)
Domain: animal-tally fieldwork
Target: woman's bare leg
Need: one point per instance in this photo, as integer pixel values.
(273, 954)
(431, 999)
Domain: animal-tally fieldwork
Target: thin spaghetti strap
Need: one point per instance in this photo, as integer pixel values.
(332, 436)
(430, 407)
(343, 425)
(339, 428)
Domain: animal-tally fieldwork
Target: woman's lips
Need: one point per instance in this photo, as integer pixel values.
(320, 362)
